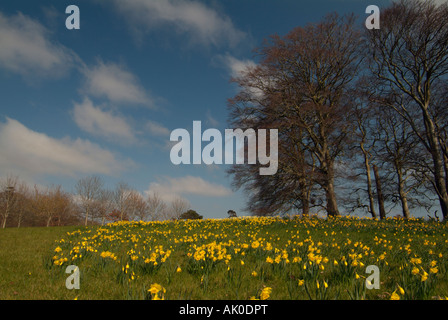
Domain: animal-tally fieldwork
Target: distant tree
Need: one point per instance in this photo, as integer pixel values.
(116, 215)
(156, 207)
(23, 205)
(178, 206)
(190, 215)
(88, 190)
(137, 206)
(105, 204)
(51, 203)
(8, 197)
(121, 198)
(231, 213)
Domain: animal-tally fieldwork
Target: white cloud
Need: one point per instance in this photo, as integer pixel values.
(236, 67)
(26, 48)
(157, 129)
(170, 188)
(115, 83)
(102, 123)
(29, 153)
(201, 23)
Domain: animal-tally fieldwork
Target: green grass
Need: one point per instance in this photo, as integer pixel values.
(220, 259)
(22, 272)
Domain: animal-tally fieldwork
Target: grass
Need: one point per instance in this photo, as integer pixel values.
(228, 259)
(22, 272)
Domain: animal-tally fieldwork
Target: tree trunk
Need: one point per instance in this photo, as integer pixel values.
(304, 194)
(87, 215)
(332, 206)
(379, 193)
(436, 153)
(402, 193)
(369, 184)
(305, 206)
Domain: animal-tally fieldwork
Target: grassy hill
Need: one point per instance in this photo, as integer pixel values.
(228, 259)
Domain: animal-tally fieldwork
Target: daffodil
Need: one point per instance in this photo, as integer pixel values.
(434, 270)
(401, 290)
(265, 293)
(394, 296)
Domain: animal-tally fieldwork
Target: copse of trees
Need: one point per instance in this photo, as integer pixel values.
(22, 205)
(362, 114)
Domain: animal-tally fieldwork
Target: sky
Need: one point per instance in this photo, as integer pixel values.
(103, 99)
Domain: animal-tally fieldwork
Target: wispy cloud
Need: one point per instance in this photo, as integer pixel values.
(26, 48)
(169, 188)
(116, 83)
(201, 23)
(157, 129)
(103, 123)
(235, 67)
(29, 153)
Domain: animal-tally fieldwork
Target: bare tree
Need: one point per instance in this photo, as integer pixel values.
(177, 207)
(23, 205)
(409, 57)
(88, 189)
(8, 197)
(121, 198)
(51, 203)
(105, 204)
(302, 86)
(366, 146)
(156, 207)
(137, 206)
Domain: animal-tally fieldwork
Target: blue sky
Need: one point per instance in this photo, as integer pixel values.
(104, 99)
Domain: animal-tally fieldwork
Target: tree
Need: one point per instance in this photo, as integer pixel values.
(190, 215)
(8, 197)
(23, 204)
(137, 206)
(379, 192)
(302, 86)
(51, 203)
(88, 190)
(104, 204)
(156, 207)
(116, 215)
(121, 199)
(401, 156)
(177, 207)
(409, 57)
(231, 213)
(363, 146)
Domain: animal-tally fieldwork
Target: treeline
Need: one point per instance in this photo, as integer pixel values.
(22, 205)
(362, 115)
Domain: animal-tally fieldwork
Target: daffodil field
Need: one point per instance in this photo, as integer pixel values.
(256, 258)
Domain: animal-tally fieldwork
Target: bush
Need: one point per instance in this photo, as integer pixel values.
(190, 215)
